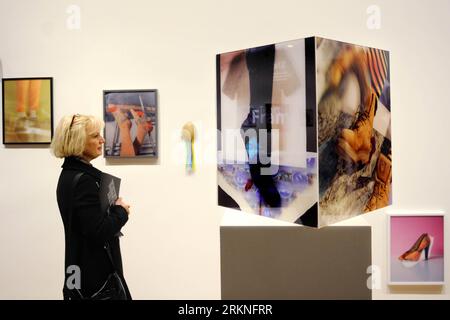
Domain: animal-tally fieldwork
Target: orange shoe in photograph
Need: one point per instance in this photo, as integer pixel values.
(420, 250)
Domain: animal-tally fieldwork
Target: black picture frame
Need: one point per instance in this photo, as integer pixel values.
(27, 110)
(136, 110)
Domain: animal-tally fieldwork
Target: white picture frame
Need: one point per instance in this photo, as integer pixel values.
(410, 227)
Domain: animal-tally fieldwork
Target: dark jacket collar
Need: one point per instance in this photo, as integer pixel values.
(73, 163)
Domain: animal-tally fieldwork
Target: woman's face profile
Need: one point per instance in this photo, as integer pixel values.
(94, 142)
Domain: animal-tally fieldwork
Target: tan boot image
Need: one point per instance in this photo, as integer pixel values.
(355, 144)
(380, 194)
(350, 60)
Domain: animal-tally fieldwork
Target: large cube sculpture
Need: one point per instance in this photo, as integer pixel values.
(304, 130)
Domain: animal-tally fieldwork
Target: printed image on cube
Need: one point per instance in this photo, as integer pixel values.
(304, 130)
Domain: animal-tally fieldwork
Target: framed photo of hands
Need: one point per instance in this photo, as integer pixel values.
(130, 123)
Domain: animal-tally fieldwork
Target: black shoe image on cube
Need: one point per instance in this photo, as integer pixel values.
(263, 181)
(256, 128)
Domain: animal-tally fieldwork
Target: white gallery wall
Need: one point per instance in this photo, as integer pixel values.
(171, 245)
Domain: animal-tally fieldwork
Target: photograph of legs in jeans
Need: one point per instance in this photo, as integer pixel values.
(264, 166)
(257, 127)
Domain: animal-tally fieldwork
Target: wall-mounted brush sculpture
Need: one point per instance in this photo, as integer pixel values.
(188, 135)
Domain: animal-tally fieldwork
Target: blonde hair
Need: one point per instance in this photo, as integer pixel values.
(71, 134)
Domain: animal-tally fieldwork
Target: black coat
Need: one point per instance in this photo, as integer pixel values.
(91, 228)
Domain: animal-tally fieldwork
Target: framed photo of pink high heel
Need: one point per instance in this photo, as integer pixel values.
(416, 249)
(130, 123)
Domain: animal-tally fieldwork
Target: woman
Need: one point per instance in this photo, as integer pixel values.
(77, 139)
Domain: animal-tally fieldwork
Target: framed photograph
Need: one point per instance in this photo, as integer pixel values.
(416, 249)
(27, 109)
(131, 123)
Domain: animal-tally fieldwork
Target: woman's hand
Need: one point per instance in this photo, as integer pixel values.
(143, 126)
(122, 120)
(119, 202)
(126, 145)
